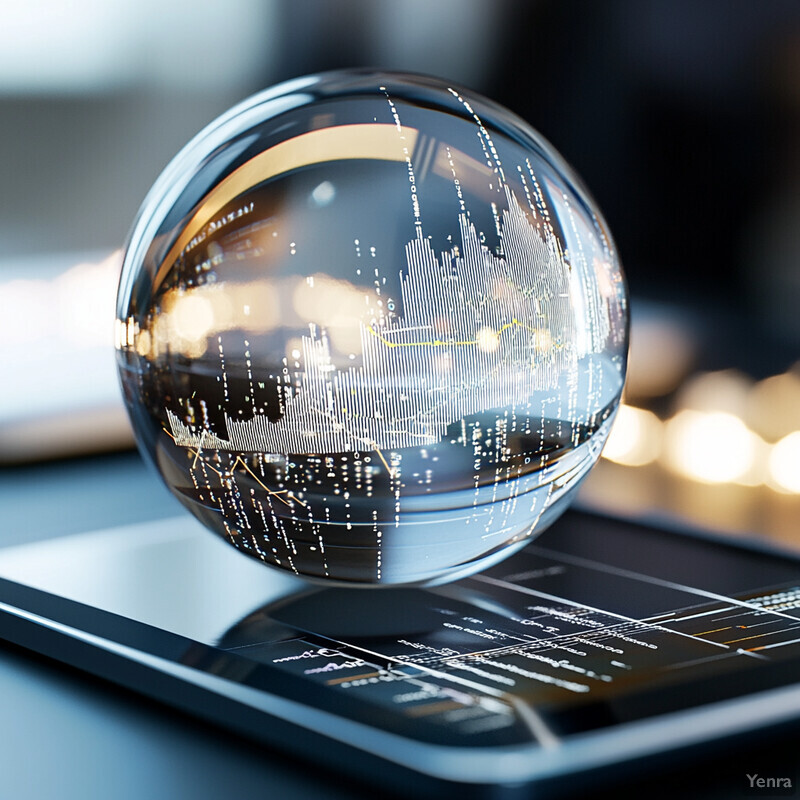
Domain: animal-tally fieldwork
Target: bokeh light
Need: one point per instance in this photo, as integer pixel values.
(635, 439)
(712, 447)
(784, 463)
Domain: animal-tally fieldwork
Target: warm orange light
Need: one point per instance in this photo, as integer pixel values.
(635, 439)
(488, 340)
(774, 405)
(192, 317)
(725, 390)
(712, 447)
(784, 463)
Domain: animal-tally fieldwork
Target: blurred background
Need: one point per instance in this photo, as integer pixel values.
(682, 117)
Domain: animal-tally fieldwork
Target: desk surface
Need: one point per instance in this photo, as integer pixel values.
(69, 735)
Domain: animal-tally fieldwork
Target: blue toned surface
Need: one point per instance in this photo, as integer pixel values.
(72, 736)
(64, 497)
(79, 737)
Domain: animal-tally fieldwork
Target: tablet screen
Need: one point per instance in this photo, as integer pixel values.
(597, 622)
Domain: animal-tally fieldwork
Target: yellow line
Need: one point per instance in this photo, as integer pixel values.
(199, 448)
(754, 636)
(239, 460)
(515, 323)
(432, 708)
(716, 630)
(196, 453)
(380, 456)
(362, 439)
(334, 681)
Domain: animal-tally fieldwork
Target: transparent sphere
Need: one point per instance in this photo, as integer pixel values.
(371, 329)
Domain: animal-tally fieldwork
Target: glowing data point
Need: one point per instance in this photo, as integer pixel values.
(371, 329)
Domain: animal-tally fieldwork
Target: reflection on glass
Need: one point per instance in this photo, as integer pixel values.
(370, 329)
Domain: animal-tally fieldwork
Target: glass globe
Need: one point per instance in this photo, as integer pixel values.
(371, 329)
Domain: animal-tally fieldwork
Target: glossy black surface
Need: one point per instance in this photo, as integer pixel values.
(613, 573)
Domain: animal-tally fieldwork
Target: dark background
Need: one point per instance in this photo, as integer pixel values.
(682, 117)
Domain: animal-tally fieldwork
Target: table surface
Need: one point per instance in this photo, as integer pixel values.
(70, 735)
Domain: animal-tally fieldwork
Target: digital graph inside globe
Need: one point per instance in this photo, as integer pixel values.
(371, 329)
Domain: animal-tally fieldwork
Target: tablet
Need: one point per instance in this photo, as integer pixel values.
(602, 643)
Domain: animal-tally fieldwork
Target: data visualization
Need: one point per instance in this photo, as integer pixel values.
(552, 642)
(371, 330)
